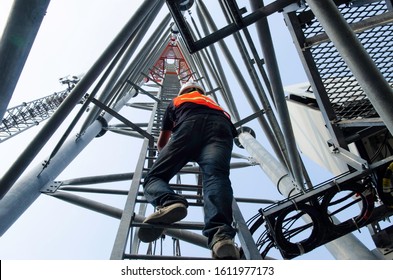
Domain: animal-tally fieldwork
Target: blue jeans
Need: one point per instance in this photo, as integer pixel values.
(208, 140)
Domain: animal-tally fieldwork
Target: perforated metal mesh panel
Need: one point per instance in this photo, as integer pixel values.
(347, 98)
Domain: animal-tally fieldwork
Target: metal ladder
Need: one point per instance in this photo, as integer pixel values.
(192, 192)
(189, 229)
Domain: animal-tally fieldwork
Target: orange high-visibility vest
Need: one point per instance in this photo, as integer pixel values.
(197, 98)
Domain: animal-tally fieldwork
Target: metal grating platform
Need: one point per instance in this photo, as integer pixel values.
(347, 99)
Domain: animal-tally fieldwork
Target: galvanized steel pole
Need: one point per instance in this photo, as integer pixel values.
(28, 188)
(279, 96)
(22, 162)
(117, 77)
(239, 77)
(15, 44)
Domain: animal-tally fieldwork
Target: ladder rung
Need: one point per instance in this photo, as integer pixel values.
(153, 157)
(185, 195)
(160, 257)
(190, 203)
(186, 186)
(179, 225)
(180, 188)
(181, 171)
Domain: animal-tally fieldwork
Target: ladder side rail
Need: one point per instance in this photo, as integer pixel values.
(123, 232)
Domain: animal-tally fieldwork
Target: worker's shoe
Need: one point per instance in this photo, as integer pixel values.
(165, 215)
(225, 249)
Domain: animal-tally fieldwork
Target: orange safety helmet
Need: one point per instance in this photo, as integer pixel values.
(191, 85)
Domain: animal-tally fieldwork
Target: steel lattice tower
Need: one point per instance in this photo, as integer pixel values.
(340, 118)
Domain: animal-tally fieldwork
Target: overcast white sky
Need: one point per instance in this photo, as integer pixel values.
(73, 35)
